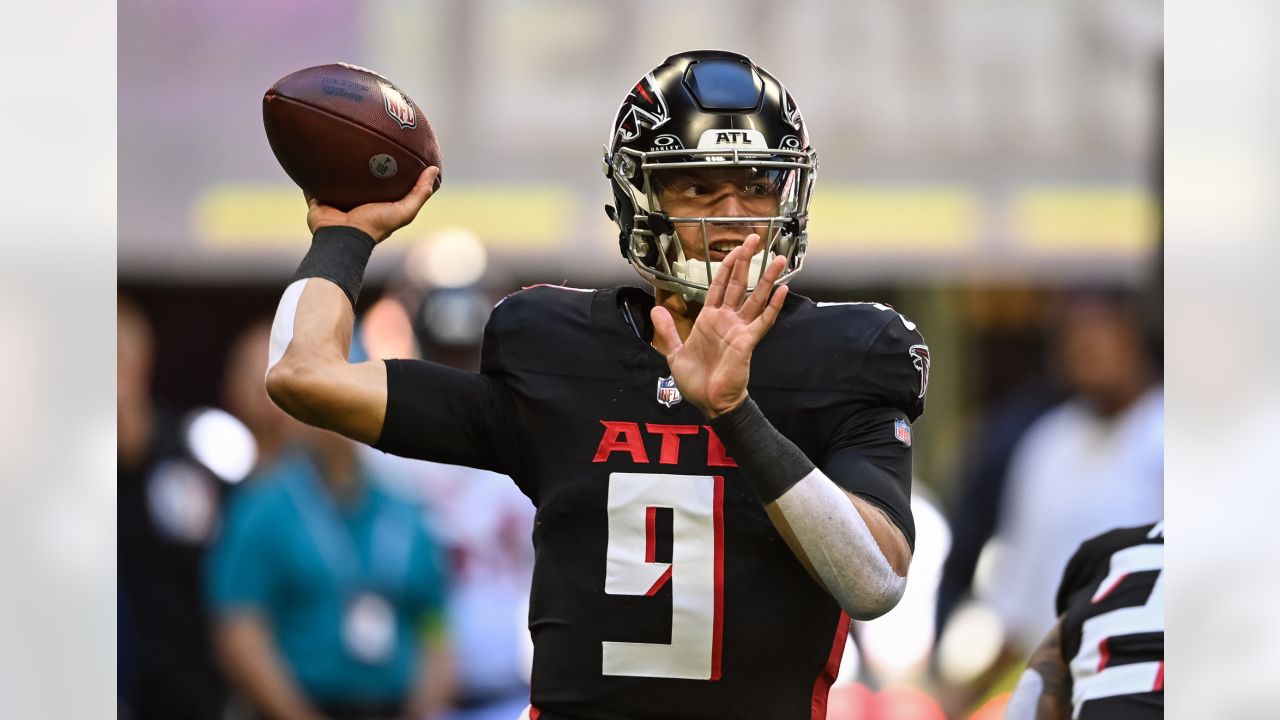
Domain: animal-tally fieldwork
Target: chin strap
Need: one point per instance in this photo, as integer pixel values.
(696, 271)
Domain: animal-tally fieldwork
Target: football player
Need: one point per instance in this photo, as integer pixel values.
(721, 469)
(1104, 659)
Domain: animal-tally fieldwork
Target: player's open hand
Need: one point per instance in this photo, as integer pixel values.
(711, 368)
(378, 220)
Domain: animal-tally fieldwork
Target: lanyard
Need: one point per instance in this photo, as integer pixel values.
(391, 543)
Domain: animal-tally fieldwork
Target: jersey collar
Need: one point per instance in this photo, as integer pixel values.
(608, 308)
(617, 334)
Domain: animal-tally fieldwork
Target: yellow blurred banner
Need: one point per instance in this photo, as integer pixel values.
(511, 217)
(914, 219)
(857, 218)
(1119, 220)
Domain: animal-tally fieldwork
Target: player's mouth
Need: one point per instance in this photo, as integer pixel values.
(720, 249)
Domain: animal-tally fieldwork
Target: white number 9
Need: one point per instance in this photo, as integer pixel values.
(696, 571)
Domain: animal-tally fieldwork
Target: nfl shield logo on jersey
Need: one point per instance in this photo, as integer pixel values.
(902, 431)
(668, 393)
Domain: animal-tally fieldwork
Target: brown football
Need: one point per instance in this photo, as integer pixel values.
(347, 135)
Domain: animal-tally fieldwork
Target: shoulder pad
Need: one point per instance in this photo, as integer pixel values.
(540, 328)
(1093, 557)
(866, 352)
(894, 369)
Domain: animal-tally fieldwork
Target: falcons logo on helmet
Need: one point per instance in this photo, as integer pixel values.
(790, 111)
(645, 108)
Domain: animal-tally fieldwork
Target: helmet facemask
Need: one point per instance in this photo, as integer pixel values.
(674, 192)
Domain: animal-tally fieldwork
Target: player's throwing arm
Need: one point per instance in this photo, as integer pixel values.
(308, 374)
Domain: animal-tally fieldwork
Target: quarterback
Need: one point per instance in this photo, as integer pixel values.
(721, 468)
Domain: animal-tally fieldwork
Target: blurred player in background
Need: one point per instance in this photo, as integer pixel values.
(167, 509)
(328, 590)
(698, 555)
(1104, 658)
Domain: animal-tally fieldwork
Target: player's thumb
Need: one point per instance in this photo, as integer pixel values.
(421, 192)
(665, 337)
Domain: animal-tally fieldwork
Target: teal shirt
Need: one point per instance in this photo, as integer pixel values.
(288, 553)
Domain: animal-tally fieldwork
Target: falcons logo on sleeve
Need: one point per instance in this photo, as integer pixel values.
(920, 359)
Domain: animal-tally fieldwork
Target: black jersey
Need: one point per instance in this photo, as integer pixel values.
(1112, 605)
(661, 589)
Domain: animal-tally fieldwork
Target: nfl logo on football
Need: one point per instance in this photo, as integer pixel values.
(668, 393)
(397, 107)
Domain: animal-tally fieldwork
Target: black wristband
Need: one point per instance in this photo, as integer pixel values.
(771, 462)
(340, 254)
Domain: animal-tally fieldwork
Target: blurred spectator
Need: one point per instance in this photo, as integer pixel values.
(245, 397)
(167, 509)
(981, 484)
(328, 590)
(485, 522)
(1093, 463)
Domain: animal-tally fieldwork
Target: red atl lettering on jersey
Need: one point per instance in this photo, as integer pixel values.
(621, 437)
(626, 437)
(716, 455)
(671, 440)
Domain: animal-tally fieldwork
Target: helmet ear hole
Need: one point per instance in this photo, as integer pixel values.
(645, 249)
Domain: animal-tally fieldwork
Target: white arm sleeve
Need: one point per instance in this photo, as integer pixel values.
(1026, 697)
(282, 326)
(840, 547)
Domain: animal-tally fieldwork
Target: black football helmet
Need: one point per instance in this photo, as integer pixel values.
(698, 110)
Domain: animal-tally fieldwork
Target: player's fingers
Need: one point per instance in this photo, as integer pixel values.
(313, 212)
(422, 190)
(737, 288)
(762, 324)
(760, 294)
(665, 337)
(715, 291)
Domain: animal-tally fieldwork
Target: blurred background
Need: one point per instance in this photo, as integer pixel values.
(990, 168)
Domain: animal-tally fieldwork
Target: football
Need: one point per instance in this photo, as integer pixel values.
(348, 136)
